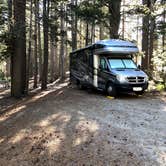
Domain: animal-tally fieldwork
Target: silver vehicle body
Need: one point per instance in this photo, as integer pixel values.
(116, 46)
(92, 74)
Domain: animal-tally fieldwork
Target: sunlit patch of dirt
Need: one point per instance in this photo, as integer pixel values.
(66, 126)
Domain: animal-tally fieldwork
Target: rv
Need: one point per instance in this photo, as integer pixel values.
(108, 65)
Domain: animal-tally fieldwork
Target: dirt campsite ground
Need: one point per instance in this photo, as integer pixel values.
(64, 126)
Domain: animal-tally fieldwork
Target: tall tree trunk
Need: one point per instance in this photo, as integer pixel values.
(66, 68)
(39, 43)
(7, 67)
(101, 33)
(74, 24)
(29, 47)
(45, 31)
(81, 41)
(52, 61)
(151, 42)
(62, 51)
(114, 20)
(151, 34)
(31, 67)
(123, 21)
(54, 72)
(18, 60)
(93, 32)
(10, 11)
(163, 35)
(10, 32)
(36, 57)
(87, 34)
(137, 37)
(145, 38)
(56, 65)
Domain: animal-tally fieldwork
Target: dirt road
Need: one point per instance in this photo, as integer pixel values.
(68, 127)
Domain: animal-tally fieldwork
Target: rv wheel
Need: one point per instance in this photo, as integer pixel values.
(80, 85)
(111, 90)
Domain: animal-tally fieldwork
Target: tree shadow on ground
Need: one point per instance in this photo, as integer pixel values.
(61, 127)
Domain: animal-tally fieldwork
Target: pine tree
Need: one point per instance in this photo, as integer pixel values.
(45, 32)
(18, 59)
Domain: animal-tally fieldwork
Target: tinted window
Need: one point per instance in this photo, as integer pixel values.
(122, 64)
(129, 64)
(116, 63)
(103, 64)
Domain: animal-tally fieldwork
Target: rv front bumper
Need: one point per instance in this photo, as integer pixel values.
(131, 87)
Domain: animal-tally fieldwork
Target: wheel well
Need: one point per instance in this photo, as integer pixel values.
(77, 81)
(108, 82)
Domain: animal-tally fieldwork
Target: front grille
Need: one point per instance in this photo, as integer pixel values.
(140, 79)
(136, 79)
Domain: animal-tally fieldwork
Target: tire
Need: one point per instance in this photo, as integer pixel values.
(111, 90)
(80, 85)
(139, 93)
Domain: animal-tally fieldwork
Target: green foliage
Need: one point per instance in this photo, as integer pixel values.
(3, 13)
(159, 63)
(160, 87)
(4, 36)
(155, 11)
(2, 75)
(90, 11)
(53, 22)
(161, 27)
(94, 12)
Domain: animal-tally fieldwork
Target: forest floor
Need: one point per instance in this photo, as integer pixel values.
(64, 126)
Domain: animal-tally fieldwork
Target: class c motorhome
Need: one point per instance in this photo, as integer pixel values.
(108, 65)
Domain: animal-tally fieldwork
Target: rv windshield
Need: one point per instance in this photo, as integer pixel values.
(122, 64)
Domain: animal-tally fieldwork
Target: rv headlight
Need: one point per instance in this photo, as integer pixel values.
(146, 78)
(121, 78)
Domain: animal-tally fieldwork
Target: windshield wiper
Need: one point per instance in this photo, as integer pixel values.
(120, 69)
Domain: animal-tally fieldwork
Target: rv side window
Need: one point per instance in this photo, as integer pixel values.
(103, 64)
(89, 58)
(85, 58)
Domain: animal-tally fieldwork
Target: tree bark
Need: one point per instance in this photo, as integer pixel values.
(52, 61)
(163, 35)
(36, 48)
(123, 21)
(62, 51)
(87, 34)
(114, 19)
(56, 67)
(93, 33)
(74, 24)
(101, 33)
(45, 31)
(145, 38)
(151, 43)
(8, 67)
(29, 47)
(10, 4)
(81, 41)
(18, 60)
(152, 36)
(39, 43)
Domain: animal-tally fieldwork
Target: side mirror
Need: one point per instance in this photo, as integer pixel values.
(139, 66)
